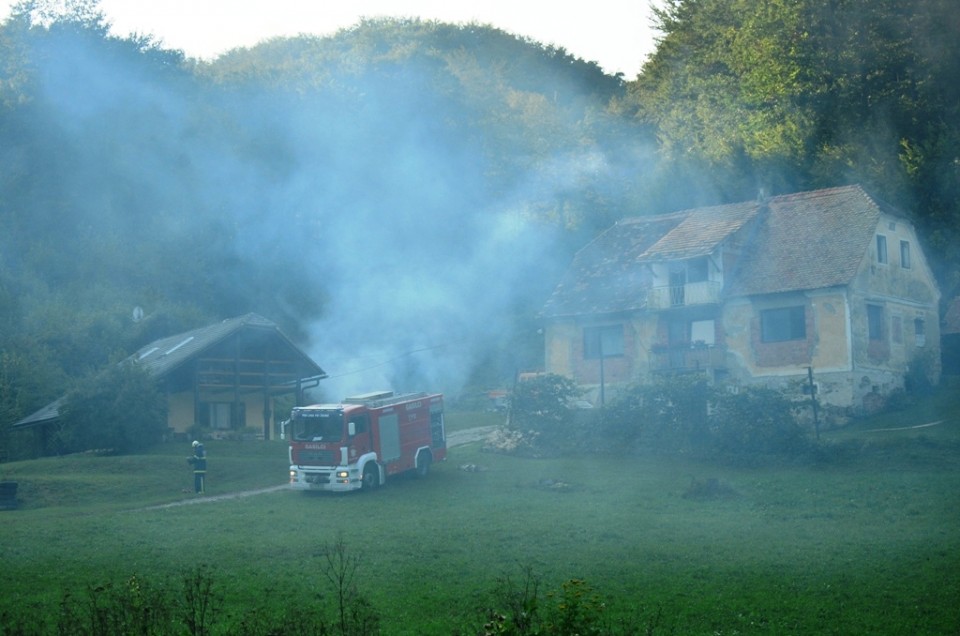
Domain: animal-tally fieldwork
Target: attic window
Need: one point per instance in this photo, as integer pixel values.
(881, 248)
(905, 254)
(783, 324)
(606, 341)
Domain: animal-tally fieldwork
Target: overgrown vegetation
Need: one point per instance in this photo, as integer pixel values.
(520, 608)
(194, 605)
(120, 410)
(679, 414)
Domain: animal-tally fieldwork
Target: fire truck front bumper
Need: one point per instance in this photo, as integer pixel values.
(334, 479)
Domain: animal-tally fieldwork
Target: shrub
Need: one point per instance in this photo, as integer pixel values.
(669, 415)
(678, 414)
(756, 420)
(120, 409)
(520, 609)
(540, 409)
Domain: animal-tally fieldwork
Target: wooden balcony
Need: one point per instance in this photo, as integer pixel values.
(685, 358)
(702, 293)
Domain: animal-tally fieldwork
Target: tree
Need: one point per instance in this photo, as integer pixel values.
(121, 409)
(541, 411)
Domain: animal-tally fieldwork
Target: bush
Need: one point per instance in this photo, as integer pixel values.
(756, 421)
(669, 415)
(541, 411)
(121, 409)
(678, 414)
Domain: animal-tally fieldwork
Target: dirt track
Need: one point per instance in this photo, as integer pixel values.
(456, 438)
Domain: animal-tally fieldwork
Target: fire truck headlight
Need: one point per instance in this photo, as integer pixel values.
(293, 475)
(343, 474)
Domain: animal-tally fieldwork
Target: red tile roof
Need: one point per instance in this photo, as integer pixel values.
(809, 240)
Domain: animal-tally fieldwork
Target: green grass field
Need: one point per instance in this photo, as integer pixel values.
(865, 542)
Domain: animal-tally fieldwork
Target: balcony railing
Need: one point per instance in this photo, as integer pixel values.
(702, 293)
(687, 358)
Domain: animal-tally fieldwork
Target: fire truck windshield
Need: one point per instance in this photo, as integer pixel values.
(317, 425)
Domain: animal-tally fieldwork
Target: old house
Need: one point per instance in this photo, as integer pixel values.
(224, 377)
(950, 338)
(830, 284)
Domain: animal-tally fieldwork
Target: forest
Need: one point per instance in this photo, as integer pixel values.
(402, 196)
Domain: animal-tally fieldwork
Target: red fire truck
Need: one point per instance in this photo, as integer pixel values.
(361, 441)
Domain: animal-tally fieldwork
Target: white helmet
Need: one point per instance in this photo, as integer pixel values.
(195, 443)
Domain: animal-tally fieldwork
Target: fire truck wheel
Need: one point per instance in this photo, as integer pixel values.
(423, 464)
(370, 477)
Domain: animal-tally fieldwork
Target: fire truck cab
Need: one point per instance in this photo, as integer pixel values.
(364, 439)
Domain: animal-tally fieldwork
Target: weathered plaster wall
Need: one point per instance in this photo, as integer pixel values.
(559, 338)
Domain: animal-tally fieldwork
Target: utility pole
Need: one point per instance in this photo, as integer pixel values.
(813, 402)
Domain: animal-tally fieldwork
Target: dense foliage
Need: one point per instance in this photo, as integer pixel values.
(677, 415)
(120, 410)
(407, 186)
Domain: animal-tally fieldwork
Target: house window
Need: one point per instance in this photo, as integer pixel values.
(603, 341)
(920, 332)
(222, 416)
(905, 254)
(703, 332)
(875, 322)
(781, 325)
(881, 248)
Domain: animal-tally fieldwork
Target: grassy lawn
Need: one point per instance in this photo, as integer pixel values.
(865, 542)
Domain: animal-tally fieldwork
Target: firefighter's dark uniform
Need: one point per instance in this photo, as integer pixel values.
(199, 463)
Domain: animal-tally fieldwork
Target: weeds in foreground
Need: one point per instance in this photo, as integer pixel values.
(137, 606)
(576, 609)
(355, 615)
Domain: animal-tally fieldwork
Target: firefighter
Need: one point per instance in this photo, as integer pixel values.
(199, 463)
